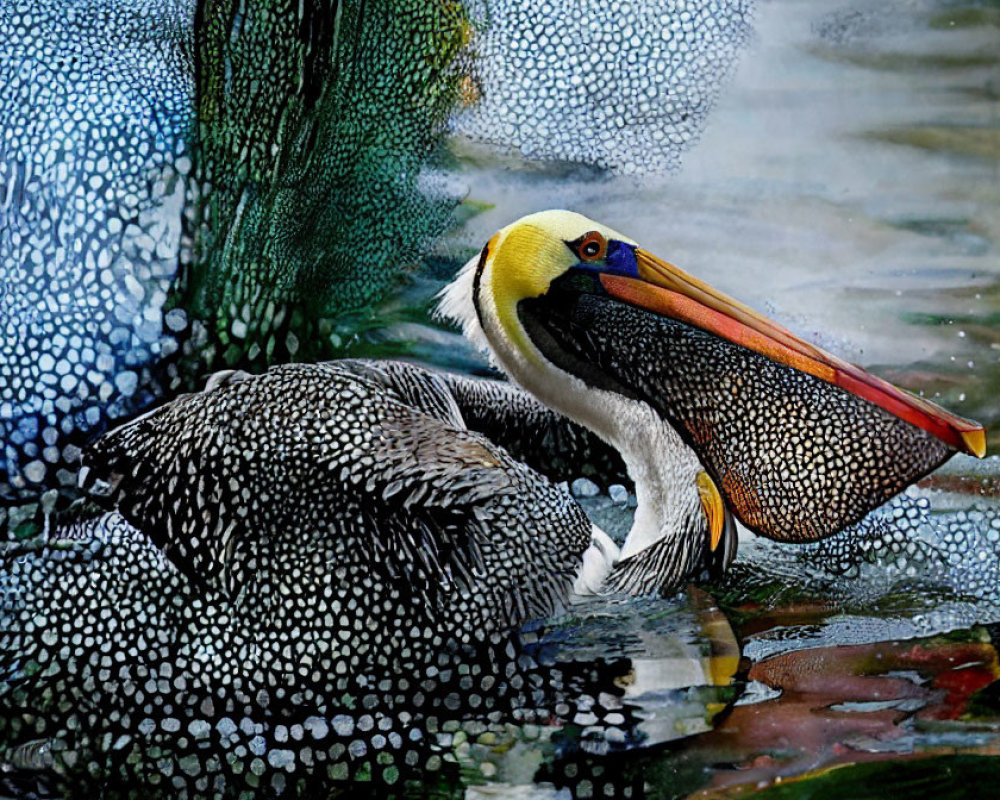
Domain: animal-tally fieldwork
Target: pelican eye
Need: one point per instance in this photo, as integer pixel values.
(590, 247)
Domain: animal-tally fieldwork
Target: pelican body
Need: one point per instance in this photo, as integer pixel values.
(306, 572)
(714, 410)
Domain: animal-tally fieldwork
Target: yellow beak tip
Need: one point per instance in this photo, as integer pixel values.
(975, 441)
(714, 507)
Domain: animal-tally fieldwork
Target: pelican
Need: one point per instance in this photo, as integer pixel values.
(717, 413)
(716, 410)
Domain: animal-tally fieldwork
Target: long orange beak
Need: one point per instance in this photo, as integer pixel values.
(668, 290)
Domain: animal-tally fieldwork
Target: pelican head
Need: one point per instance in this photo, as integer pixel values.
(716, 410)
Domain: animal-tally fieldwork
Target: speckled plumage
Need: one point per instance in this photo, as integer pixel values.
(335, 567)
(351, 452)
(369, 560)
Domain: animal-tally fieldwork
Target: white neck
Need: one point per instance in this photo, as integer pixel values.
(662, 466)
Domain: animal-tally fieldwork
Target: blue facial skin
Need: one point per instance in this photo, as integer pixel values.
(620, 260)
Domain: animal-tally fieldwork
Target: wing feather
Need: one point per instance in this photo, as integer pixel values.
(354, 450)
